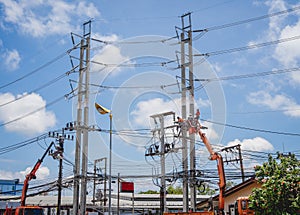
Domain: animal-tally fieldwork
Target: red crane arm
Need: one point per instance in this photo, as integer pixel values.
(32, 175)
(220, 165)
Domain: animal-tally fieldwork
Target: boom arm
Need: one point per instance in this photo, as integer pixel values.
(222, 181)
(32, 175)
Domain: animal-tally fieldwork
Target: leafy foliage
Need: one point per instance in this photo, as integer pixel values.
(280, 191)
(174, 190)
(149, 192)
(170, 190)
(205, 189)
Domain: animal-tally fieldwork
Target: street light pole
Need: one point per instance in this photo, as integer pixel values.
(110, 155)
(103, 110)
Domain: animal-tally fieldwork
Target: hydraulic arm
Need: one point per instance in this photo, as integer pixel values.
(32, 175)
(220, 165)
(194, 126)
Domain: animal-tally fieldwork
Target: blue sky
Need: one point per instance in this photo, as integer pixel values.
(35, 37)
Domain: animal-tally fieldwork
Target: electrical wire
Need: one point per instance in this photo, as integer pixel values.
(134, 42)
(253, 129)
(35, 111)
(218, 27)
(19, 145)
(259, 45)
(37, 69)
(251, 75)
(150, 64)
(39, 88)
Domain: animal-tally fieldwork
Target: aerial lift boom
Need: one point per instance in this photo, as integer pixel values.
(194, 126)
(32, 175)
(220, 165)
(23, 209)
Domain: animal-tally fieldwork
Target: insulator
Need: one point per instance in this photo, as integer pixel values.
(71, 126)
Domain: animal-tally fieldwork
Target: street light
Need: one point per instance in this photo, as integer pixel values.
(103, 110)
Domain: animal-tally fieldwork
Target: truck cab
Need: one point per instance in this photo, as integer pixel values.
(241, 206)
(29, 210)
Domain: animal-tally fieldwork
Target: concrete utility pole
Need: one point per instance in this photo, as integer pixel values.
(232, 150)
(192, 113)
(82, 127)
(59, 181)
(84, 163)
(163, 150)
(96, 176)
(162, 165)
(184, 140)
(186, 39)
(78, 134)
(58, 154)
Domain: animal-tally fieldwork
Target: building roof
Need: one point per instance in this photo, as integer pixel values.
(140, 200)
(230, 191)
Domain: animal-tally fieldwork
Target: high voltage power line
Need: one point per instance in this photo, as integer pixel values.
(36, 110)
(39, 88)
(16, 146)
(163, 40)
(213, 28)
(38, 69)
(218, 27)
(253, 129)
(205, 30)
(250, 75)
(254, 46)
(207, 54)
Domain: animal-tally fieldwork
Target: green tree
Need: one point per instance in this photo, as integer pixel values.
(174, 190)
(149, 192)
(280, 190)
(170, 190)
(204, 189)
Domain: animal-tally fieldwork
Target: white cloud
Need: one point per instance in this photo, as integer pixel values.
(36, 19)
(258, 144)
(276, 22)
(285, 53)
(42, 173)
(288, 53)
(210, 133)
(11, 59)
(277, 102)
(106, 38)
(34, 123)
(144, 109)
(282, 27)
(86, 9)
(110, 56)
(13, 11)
(10, 175)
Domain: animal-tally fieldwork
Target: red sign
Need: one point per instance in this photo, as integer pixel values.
(127, 187)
